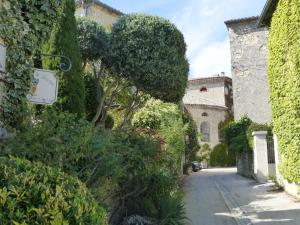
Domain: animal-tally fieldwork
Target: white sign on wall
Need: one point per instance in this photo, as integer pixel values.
(44, 87)
(2, 57)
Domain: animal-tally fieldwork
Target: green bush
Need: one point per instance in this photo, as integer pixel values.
(205, 152)
(221, 156)
(140, 173)
(92, 39)
(235, 135)
(167, 119)
(56, 139)
(258, 127)
(284, 80)
(31, 193)
(150, 52)
(63, 41)
(192, 144)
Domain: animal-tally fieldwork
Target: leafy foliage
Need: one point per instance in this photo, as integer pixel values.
(258, 127)
(32, 193)
(221, 156)
(25, 25)
(284, 71)
(92, 39)
(205, 153)
(192, 145)
(63, 41)
(235, 135)
(140, 173)
(150, 51)
(57, 139)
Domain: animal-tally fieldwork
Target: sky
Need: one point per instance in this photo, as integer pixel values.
(202, 24)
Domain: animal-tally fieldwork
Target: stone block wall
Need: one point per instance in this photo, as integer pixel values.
(244, 162)
(249, 69)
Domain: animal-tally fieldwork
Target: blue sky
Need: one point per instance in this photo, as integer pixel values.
(202, 23)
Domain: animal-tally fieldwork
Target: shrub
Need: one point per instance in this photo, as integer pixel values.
(138, 170)
(235, 135)
(155, 63)
(284, 80)
(56, 139)
(63, 41)
(221, 156)
(31, 193)
(192, 144)
(205, 152)
(258, 127)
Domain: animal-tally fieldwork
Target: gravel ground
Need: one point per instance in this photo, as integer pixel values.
(221, 197)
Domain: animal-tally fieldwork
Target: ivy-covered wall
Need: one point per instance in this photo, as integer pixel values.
(24, 27)
(284, 79)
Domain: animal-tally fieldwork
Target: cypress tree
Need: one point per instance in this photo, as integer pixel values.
(64, 42)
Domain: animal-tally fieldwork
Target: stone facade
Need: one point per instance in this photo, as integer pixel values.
(99, 12)
(249, 69)
(209, 101)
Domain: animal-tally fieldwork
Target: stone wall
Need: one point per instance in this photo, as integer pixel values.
(249, 69)
(244, 163)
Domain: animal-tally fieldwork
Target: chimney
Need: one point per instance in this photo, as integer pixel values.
(223, 74)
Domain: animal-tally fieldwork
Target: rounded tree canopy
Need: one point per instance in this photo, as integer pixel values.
(92, 39)
(150, 51)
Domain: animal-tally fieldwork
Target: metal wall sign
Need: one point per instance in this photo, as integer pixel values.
(44, 87)
(2, 57)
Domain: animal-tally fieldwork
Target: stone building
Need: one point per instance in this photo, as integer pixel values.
(209, 102)
(248, 45)
(97, 11)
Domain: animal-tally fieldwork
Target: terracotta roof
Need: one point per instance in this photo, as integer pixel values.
(240, 20)
(267, 13)
(109, 8)
(209, 79)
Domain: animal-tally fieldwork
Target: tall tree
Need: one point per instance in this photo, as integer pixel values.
(64, 42)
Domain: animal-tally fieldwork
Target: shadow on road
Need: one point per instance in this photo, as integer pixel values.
(222, 197)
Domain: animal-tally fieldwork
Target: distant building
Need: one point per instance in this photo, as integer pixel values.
(209, 102)
(97, 11)
(249, 69)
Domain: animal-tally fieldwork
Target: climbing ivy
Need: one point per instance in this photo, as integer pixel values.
(284, 79)
(24, 27)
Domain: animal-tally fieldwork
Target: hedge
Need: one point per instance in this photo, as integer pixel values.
(31, 193)
(284, 80)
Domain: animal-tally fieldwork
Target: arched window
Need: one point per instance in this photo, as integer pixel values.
(205, 114)
(203, 89)
(205, 131)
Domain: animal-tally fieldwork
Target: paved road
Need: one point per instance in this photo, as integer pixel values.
(221, 197)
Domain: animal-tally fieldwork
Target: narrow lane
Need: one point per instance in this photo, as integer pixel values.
(204, 203)
(221, 197)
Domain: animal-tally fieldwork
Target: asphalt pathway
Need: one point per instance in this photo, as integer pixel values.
(222, 197)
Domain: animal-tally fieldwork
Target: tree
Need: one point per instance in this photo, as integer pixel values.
(102, 82)
(150, 52)
(64, 42)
